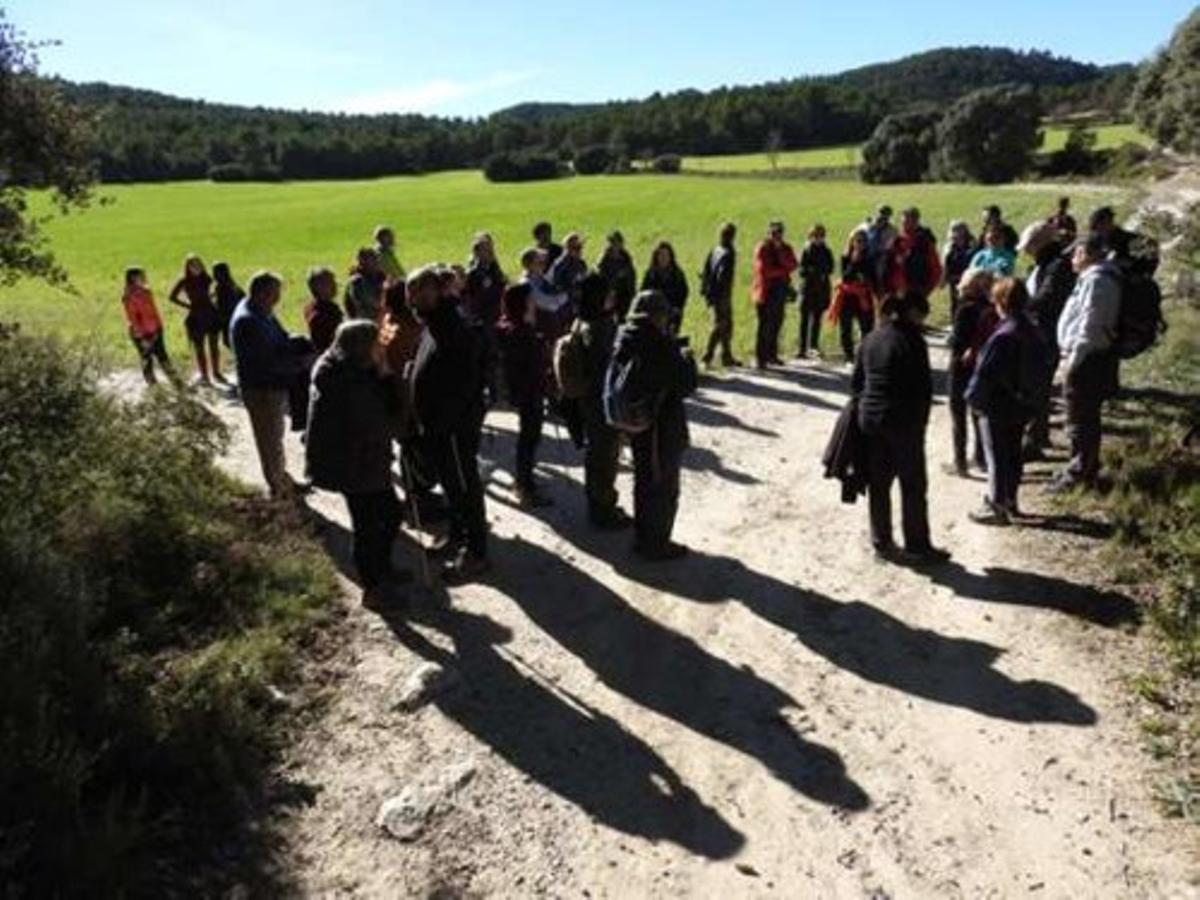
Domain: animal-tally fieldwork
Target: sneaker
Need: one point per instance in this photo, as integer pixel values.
(465, 568)
(926, 556)
(614, 519)
(667, 552)
(989, 514)
(815, 353)
(1063, 484)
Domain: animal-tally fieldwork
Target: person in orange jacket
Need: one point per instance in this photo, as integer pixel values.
(913, 264)
(771, 290)
(145, 325)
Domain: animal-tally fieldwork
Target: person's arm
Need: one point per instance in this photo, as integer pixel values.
(935, 268)
(174, 295)
(684, 290)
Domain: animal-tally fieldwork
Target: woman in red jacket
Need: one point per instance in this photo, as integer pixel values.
(771, 289)
(145, 325)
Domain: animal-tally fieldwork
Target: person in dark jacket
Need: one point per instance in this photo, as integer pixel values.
(855, 298)
(1004, 391)
(716, 286)
(544, 240)
(597, 331)
(348, 449)
(1132, 253)
(525, 371)
(960, 247)
(1063, 222)
(894, 388)
(482, 298)
(816, 291)
(364, 289)
(975, 291)
(447, 399)
(321, 313)
(617, 269)
(667, 373)
(570, 267)
(665, 276)
(227, 294)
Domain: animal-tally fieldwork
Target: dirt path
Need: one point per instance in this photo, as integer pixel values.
(779, 714)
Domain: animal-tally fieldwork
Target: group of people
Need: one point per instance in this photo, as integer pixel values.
(406, 367)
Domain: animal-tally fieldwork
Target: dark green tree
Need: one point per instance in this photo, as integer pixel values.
(989, 136)
(899, 149)
(1166, 99)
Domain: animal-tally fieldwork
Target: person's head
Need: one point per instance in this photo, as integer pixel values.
(992, 214)
(910, 307)
(651, 308)
(367, 260)
(385, 237)
(1064, 204)
(883, 215)
(542, 233)
(1036, 238)
(517, 304)
(595, 298)
(424, 288)
(616, 241)
(482, 248)
(727, 234)
(135, 277)
(976, 284)
(193, 266)
(265, 289)
(1087, 252)
(775, 231)
(1103, 221)
(395, 298)
(454, 280)
(994, 236)
(664, 255)
(856, 245)
(321, 283)
(1010, 297)
(533, 261)
(221, 273)
(910, 219)
(354, 341)
(573, 245)
(958, 233)
(816, 234)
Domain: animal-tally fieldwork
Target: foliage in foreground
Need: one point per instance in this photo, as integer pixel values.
(146, 610)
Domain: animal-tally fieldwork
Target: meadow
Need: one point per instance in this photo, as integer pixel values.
(289, 227)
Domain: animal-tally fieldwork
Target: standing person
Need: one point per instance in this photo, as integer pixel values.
(145, 324)
(913, 264)
(665, 276)
(855, 298)
(447, 395)
(228, 294)
(1049, 286)
(1004, 392)
(774, 263)
(993, 216)
(484, 288)
(995, 255)
(202, 323)
(716, 285)
(364, 290)
(321, 314)
(570, 267)
(1086, 331)
(894, 388)
(971, 328)
(816, 270)
(268, 369)
(348, 449)
(616, 267)
(880, 233)
(1063, 222)
(664, 374)
(554, 308)
(525, 371)
(960, 247)
(543, 239)
(1132, 253)
(385, 252)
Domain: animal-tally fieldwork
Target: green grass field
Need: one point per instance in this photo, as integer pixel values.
(288, 227)
(1107, 137)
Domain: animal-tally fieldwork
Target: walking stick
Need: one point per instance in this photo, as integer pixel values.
(414, 511)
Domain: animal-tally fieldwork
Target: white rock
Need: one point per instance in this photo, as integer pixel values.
(404, 816)
(429, 680)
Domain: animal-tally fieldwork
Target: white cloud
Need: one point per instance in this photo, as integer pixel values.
(427, 95)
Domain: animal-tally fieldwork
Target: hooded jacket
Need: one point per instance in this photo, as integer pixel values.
(1088, 323)
(665, 372)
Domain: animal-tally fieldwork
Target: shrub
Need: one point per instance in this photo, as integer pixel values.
(145, 607)
(244, 172)
(594, 160)
(988, 136)
(667, 164)
(522, 166)
(899, 149)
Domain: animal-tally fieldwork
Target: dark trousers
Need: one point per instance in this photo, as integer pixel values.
(770, 323)
(722, 331)
(852, 313)
(601, 460)
(811, 313)
(960, 415)
(455, 457)
(531, 415)
(898, 453)
(1039, 425)
(655, 489)
(1092, 381)
(1002, 448)
(151, 349)
(375, 517)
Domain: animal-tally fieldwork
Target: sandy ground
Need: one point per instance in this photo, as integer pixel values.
(777, 715)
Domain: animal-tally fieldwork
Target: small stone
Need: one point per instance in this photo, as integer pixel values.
(428, 681)
(404, 816)
(747, 870)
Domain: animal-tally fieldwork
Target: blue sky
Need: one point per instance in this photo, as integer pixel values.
(460, 58)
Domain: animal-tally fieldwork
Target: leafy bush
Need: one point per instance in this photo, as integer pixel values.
(594, 160)
(1166, 101)
(667, 164)
(146, 606)
(1078, 156)
(522, 166)
(899, 149)
(988, 136)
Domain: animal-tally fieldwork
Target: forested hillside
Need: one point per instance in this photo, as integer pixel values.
(145, 136)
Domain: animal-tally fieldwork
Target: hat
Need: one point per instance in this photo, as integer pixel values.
(1036, 237)
(648, 305)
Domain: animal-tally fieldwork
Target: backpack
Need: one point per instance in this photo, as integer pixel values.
(571, 366)
(1140, 322)
(628, 405)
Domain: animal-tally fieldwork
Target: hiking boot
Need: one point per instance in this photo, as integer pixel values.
(465, 568)
(665, 553)
(612, 519)
(925, 556)
(989, 514)
(529, 497)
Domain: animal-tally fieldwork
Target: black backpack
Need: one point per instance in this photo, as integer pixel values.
(1141, 322)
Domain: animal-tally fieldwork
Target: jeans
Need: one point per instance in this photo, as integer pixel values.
(531, 415)
(1088, 384)
(375, 517)
(866, 322)
(267, 409)
(898, 453)
(722, 331)
(1002, 448)
(770, 323)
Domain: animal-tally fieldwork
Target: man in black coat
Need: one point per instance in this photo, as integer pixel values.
(716, 285)
(447, 394)
(894, 388)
